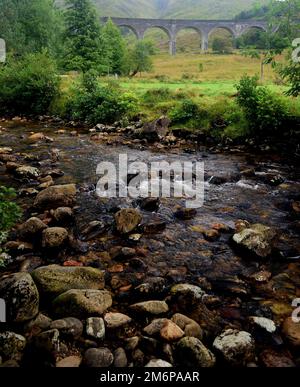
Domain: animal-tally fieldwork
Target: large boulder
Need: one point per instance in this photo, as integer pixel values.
(54, 280)
(21, 297)
(82, 303)
(127, 220)
(190, 352)
(256, 239)
(56, 196)
(155, 130)
(54, 237)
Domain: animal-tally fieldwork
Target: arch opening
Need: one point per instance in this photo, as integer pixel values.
(221, 40)
(189, 40)
(160, 37)
(252, 36)
(128, 31)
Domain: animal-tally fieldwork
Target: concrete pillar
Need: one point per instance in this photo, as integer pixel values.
(204, 44)
(172, 45)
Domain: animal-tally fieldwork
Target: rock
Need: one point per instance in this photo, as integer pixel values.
(171, 332)
(190, 352)
(32, 229)
(116, 320)
(95, 328)
(28, 172)
(154, 328)
(127, 220)
(40, 323)
(69, 327)
(18, 248)
(151, 307)
(5, 150)
(155, 130)
(45, 182)
(149, 204)
(122, 253)
(10, 364)
(36, 137)
(190, 327)
(120, 358)
(273, 359)
(132, 343)
(56, 196)
(98, 357)
(138, 357)
(257, 239)
(23, 192)
(151, 286)
(69, 362)
(291, 331)
(47, 341)
(190, 293)
(11, 345)
(237, 347)
(63, 215)
(93, 230)
(82, 303)
(21, 296)
(264, 323)
(185, 213)
(53, 280)
(54, 237)
(158, 363)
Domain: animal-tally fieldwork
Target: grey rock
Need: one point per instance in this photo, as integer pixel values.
(95, 328)
(69, 327)
(190, 352)
(151, 307)
(98, 357)
(120, 358)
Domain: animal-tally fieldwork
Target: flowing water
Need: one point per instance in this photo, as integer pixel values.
(180, 252)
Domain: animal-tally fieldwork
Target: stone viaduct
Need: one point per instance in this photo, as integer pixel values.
(172, 27)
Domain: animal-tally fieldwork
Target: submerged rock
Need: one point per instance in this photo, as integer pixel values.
(21, 296)
(257, 239)
(32, 229)
(53, 280)
(190, 327)
(127, 220)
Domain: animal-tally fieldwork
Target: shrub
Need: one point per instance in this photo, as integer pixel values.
(184, 112)
(93, 103)
(155, 95)
(10, 213)
(266, 112)
(222, 45)
(29, 85)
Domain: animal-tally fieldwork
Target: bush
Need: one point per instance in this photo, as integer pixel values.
(92, 103)
(187, 110)
(155, 95)
(28, 86)
(222, 45)
(266, 112)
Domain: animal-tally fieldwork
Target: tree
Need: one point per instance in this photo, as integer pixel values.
(140, 57)
(85, 48)
(222, 45)
(30, 26)
(116, 49)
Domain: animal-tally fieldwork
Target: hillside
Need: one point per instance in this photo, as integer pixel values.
(187, 9)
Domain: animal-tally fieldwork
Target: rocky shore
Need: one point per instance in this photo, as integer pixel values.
(101, 283)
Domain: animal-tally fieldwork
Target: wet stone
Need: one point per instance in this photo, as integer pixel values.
(95, 328)
(98, 357)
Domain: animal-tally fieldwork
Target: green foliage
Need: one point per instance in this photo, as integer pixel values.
(156, 95)
(28, 86)
(30, 26)
(85, 46)
(291, 74)
(184, 112)
(266, 112)
(116, 49)
(222, 45)
(94, 103)
(139, 57)
(10, 212)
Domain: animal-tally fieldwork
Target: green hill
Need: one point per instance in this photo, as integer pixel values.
(185, 9)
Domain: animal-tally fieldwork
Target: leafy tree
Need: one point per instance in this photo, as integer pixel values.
(84, 45)
(10, 212)
(30, 26)
(28, 85)
(139, 59)
(222, 45)
(116, 49)
(291, 73)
